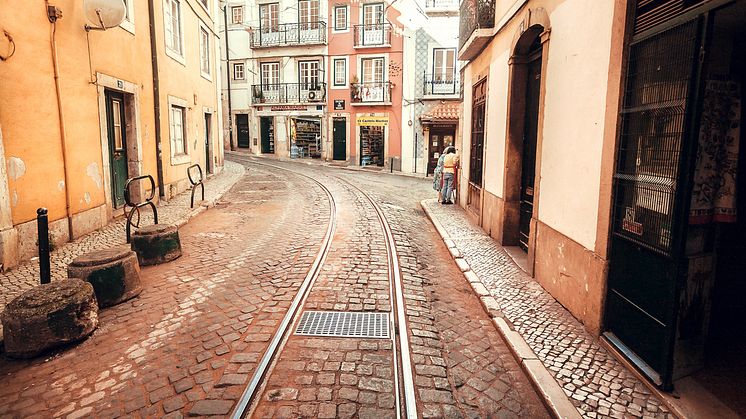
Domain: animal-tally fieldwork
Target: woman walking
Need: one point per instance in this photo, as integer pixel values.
(438, 174)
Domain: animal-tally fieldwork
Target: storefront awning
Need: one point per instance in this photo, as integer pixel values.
(445, 112)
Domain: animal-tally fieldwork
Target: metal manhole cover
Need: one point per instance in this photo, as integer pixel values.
(344, 324)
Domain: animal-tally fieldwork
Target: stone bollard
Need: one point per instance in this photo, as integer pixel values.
(114, 274)
(156, 244)
(47, 316)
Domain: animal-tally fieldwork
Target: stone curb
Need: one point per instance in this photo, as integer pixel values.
(552, 395)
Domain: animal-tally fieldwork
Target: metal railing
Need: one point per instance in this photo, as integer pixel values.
(129, 203)
(440, 85)
(196, 181)
(373, 34)
(377, 92)
(307, 33)
(475, 14)
(441, 4)
(288, 93)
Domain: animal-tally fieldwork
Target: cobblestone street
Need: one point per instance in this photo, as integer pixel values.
(191, 343)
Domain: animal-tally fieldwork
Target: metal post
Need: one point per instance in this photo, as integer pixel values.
(392, 166)
(42, 223)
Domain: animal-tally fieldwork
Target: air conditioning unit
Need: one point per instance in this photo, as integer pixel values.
(316, 94)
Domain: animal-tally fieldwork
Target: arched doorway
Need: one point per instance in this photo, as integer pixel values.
(523, 138)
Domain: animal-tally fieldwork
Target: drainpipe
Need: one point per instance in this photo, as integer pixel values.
(228, 78)
(156, 99)
(60, 114)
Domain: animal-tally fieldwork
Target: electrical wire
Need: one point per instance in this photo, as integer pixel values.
(11, 43)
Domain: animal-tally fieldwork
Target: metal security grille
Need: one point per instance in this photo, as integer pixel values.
(344, 324)
(479, 99)
(653, 124)
(650, 13)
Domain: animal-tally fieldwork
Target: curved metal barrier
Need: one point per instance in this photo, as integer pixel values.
(136, 206)
(195, 183)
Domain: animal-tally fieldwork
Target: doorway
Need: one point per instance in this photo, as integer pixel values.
(371, 146)
(528, 158)
(208, 129)
(440, 137)
(117, 134)
(675, 301)
(339, 136)
(267, 131)
(242, 127)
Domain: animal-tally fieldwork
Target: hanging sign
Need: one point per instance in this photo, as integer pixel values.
(372, 121)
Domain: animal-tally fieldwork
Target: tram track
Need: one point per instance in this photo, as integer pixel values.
(403, 378)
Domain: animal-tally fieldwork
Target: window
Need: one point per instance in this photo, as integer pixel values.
(372, 15)
(269, 17)
(172, 24)
(444, 64)
(238, 71)
(372, 71)
(237, 13)
(340, 18)
(340, 72)
(178, 130)
(308, 74)
(308, 14)
(270, 76)
(128, 23)
(204, 51)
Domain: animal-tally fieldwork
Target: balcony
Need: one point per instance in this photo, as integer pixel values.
(289, 34)
(376, 93)
(440, 86)
(286, 93)
(438, 6)
(372, 35)
(475, 28)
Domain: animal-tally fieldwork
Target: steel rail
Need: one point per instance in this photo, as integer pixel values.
(400, 320)
(248, 396)
(396, 288)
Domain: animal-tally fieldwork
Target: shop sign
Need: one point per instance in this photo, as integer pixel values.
(339, 104)
(372, 121)
(629, 224)
(288, 108)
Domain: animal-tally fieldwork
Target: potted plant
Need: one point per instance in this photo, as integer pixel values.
(354, 88)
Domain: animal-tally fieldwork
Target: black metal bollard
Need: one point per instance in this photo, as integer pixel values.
(42, 224)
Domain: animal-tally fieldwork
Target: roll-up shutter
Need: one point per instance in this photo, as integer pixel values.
(650, 13)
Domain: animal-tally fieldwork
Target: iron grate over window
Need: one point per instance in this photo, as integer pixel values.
(653, 130)
(344, 324)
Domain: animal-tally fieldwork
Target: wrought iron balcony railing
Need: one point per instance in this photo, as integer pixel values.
(308, 33)
(376, 92)
(282, 93)
(441, 5)
(475, 14)
(373, 34)
(439, 85)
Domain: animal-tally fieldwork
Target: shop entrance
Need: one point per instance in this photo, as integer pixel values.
(441, 136)
(371, 146)
(268, 134)
(307, 135)
(675, 304)
(339, 137)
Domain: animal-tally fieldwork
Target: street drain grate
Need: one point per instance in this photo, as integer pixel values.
(347, 324)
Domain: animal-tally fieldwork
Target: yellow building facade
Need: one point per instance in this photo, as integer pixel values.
(78, 113)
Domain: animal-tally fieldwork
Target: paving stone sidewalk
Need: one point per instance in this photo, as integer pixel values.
(597, 384)
(176, 211)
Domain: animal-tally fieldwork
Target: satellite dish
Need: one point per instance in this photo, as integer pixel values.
(103, 14)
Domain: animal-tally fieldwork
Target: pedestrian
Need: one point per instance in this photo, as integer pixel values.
(438, 174)
(450, 163)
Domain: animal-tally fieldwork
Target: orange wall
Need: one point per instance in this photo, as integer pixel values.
(343, 44)
(28, 106)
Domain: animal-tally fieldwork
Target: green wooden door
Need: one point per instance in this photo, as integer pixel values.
(116, 128)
